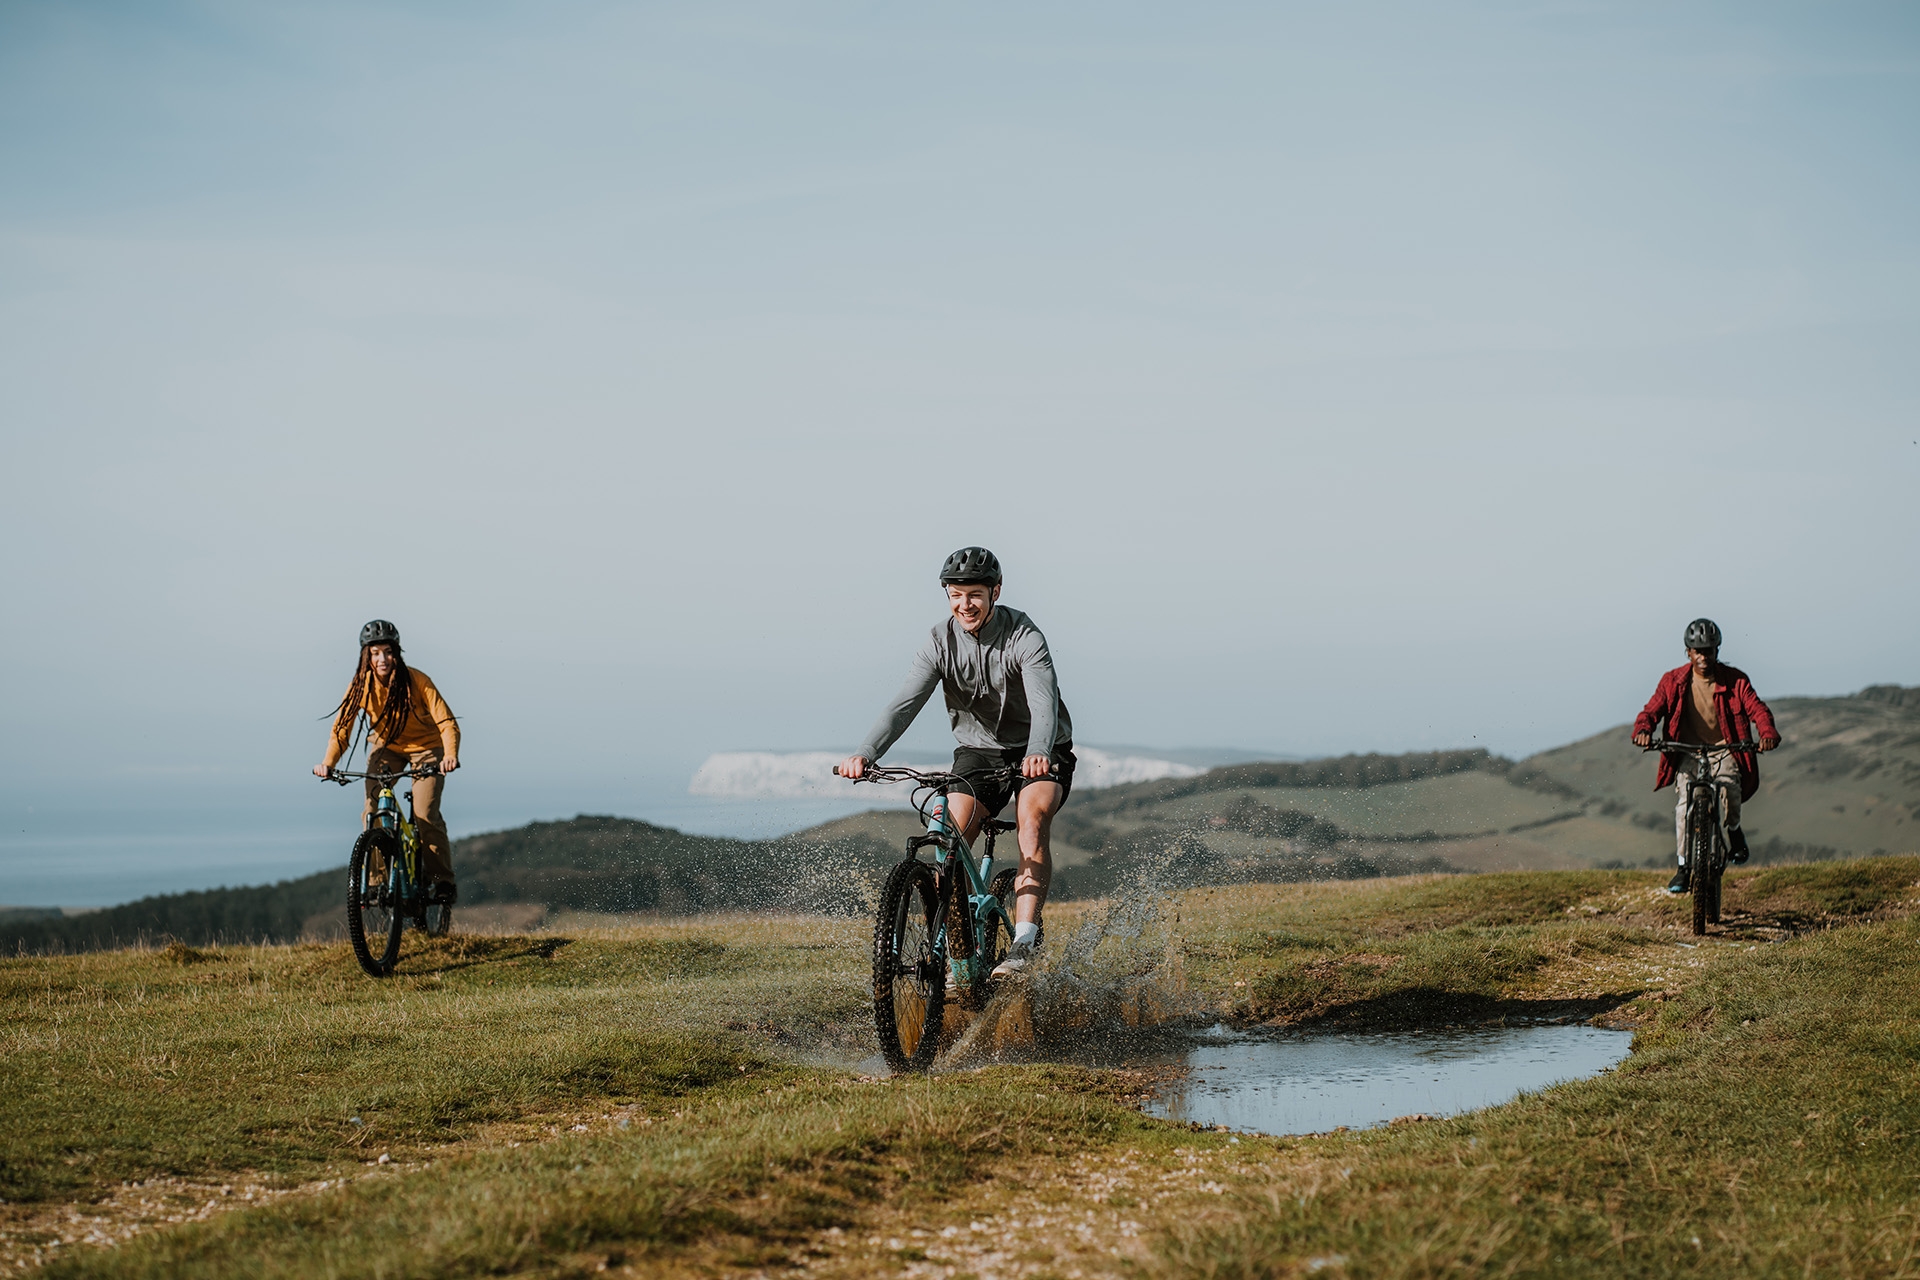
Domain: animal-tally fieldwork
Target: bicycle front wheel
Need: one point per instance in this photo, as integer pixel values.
(1716, 869)
(909, 976)
(1700, 863)
(374, 919)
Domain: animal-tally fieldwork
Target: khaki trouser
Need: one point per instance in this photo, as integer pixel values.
(436, 851)
(1726, 776)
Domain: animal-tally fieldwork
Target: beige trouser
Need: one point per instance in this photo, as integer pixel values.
(1726, 776)
(435, 848)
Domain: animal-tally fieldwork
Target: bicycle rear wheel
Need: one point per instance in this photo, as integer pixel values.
(374, 921)
(909, 976)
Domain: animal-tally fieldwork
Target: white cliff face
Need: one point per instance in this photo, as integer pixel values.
(1099, 768)
(768, 775)
(793, 775)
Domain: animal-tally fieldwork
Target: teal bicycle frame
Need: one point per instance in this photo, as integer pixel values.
(951, 850)
(959, 937)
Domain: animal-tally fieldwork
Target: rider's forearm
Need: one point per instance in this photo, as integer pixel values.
(337, 745)
(1654, 713)
(1043, 698)
(899, 715)
(1760, 714)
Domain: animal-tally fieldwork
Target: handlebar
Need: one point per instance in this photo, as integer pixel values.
(920, 777)
(344, 776)
(1695, 748)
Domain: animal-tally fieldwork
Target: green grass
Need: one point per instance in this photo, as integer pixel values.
(1765, 1125)
(124, 1065)
(1841, 888)
(738, 1180)
(1408, 952)
(1769, 1110)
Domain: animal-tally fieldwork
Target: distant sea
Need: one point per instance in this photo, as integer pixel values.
(100, 858)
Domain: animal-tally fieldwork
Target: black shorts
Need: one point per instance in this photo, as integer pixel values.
(975, 765)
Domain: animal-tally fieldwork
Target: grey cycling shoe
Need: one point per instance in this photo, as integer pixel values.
(1019, 956)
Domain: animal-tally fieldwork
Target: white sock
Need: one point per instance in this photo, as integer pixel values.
(1025, 933)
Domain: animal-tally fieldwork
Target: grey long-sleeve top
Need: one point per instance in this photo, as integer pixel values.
(1000, 687)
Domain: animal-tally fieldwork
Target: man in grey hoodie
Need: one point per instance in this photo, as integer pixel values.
(1004, 705)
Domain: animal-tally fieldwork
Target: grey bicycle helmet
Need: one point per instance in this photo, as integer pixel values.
(969, 565)
(1702, 634)
(379, 631)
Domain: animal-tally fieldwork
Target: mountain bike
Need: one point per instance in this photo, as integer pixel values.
(1706, 825)
(384, 890)
(947, 917)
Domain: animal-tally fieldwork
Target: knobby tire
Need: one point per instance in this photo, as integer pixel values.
(909, 977)
(374, 921)
(1700, 863)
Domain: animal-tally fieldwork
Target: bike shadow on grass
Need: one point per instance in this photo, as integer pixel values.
(425, 956)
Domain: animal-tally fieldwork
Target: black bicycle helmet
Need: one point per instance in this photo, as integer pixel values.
(1702, 634)
(968, 565)
(379, 631)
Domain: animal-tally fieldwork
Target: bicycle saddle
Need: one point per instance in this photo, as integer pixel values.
(995, 824)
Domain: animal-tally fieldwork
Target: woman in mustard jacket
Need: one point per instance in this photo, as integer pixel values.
(408, 723)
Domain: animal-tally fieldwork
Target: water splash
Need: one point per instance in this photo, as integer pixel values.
(1116, 975)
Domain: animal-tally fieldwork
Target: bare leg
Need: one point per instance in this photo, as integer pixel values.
(966, 813)
(1037, 804)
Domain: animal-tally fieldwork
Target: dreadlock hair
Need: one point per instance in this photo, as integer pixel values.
(393, 717)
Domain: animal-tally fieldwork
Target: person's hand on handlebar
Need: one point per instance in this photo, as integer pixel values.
(853, 767)
(449, 763)
(1643, 740)
(324, 772)
(1036, 767)
(1768, 744)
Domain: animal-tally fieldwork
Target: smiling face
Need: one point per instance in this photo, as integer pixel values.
(381, 658)
(972, 603)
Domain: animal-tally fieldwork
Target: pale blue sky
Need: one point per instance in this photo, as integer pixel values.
(1329, 378)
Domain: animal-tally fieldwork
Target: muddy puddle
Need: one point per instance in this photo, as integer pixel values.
(1316, 1083)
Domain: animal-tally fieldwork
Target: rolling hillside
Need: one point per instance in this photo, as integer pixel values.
(1846, 782)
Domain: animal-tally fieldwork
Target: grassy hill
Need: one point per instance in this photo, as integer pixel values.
(687, 1098)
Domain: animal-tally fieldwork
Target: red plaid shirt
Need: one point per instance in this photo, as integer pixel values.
(1741, 714)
